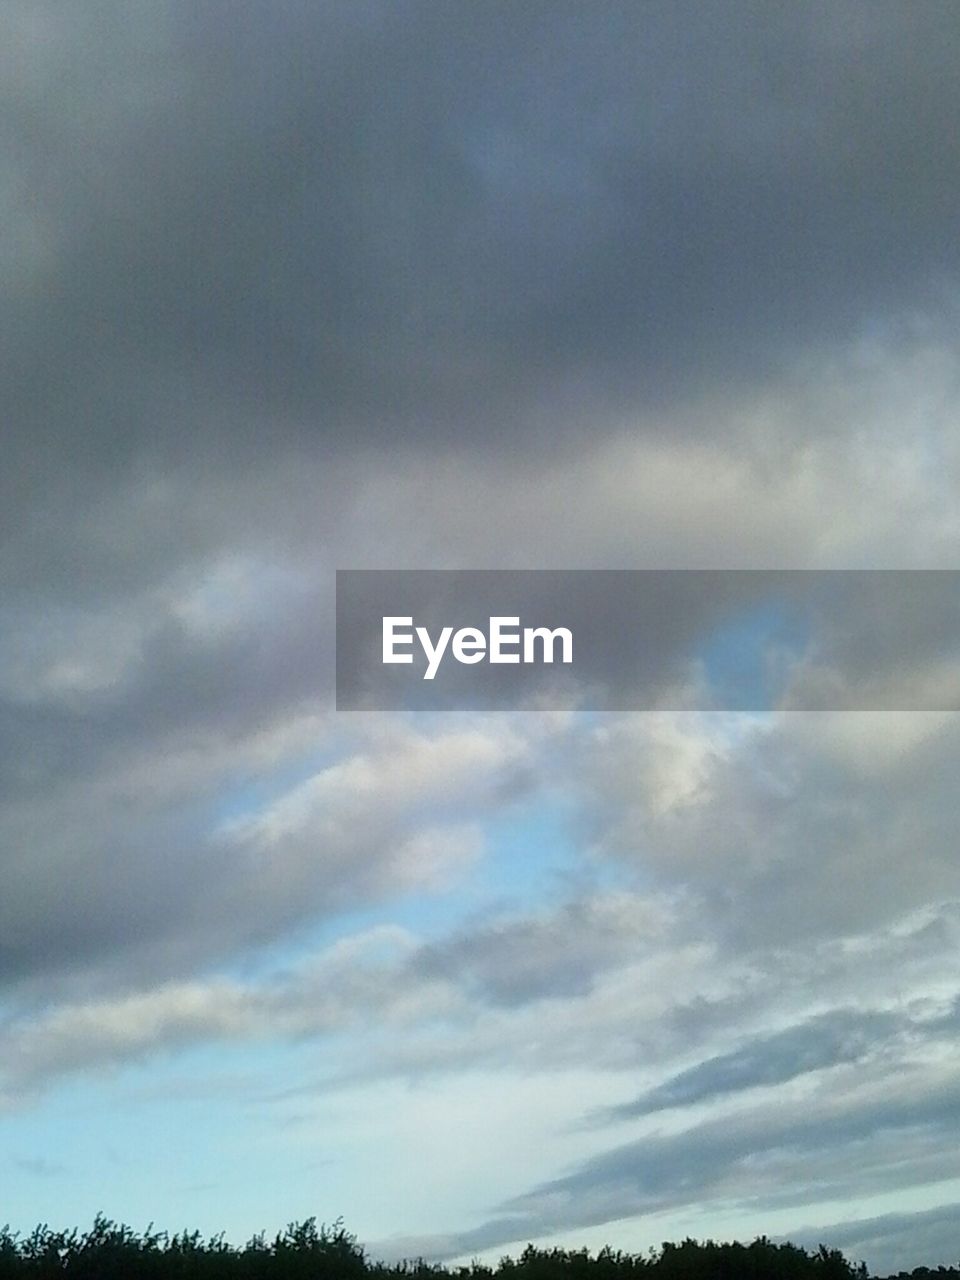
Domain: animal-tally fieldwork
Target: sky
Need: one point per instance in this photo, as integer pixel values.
(297, 286)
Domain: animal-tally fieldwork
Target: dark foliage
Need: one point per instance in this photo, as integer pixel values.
(108, 1251)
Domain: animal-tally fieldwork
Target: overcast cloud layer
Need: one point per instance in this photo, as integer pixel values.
(299, 286)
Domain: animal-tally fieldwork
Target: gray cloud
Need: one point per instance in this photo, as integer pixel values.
(485, 995)
(253, 242)
(841, 1036)
(798, 830)
(453, 221)
(896, 1241)
(562, 954)
(114, 882)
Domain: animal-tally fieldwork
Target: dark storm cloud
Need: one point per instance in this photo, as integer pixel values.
(253, 246)
(291, 223)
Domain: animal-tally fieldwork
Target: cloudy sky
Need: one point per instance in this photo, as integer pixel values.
(316, 284)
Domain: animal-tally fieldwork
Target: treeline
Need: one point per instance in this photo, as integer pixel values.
(304, 1251)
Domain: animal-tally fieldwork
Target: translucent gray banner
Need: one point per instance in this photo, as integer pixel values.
(698, 639)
